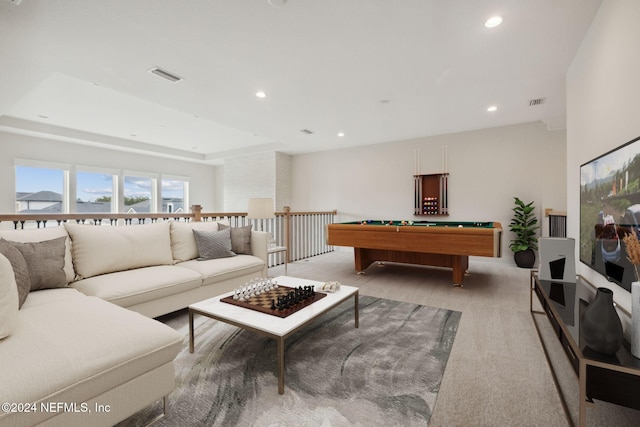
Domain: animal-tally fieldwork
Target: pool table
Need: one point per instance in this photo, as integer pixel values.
(434, 243)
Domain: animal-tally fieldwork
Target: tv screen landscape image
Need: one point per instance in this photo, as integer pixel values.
(609, 209)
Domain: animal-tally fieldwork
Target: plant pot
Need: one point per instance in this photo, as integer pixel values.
(525, 259)
(600, 326)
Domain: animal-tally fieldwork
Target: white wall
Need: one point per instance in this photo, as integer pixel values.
(266, 174)
(603, 89)
(14, 146)
(487, 168)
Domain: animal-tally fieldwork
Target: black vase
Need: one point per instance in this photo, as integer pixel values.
(600, 325)
(525, 259)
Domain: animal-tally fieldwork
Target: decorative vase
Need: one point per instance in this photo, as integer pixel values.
(525, 259)
(600, 325)
(635, 319)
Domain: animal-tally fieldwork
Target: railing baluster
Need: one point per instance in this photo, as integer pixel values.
(303, 233)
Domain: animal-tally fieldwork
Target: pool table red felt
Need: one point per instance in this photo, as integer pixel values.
(426, 243)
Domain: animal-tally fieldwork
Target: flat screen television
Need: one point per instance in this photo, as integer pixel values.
(609, 209)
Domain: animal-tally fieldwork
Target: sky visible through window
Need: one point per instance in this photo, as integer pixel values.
(90, 186)
(32, 180)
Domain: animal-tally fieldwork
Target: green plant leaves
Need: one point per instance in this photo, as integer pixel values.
(524, 225)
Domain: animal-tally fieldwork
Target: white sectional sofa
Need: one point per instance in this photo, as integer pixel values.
(83, 349)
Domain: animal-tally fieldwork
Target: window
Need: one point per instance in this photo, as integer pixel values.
(54, 188)
(174, 195)
(139, 194)
(94, 192)
(40, 189)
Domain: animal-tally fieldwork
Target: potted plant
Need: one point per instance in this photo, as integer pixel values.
(525, 224)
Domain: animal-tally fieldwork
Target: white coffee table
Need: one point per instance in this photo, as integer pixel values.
(268, 325)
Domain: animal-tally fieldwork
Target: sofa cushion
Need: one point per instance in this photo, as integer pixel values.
(127, 288)
(183, 243)
(217, 270)
(42, 234)
(240, 238)
(20, 270)
(8, 299)
(99, 250)
(67, 346)
(213, 244)
(45, 262)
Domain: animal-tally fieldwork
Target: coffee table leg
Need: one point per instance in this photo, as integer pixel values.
(190, 331)
(357, 310)
(280, 365)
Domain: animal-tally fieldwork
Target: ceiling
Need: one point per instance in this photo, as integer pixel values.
(376, 70)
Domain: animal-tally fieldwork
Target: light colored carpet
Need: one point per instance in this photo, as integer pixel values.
(388, 370)
(496, 374)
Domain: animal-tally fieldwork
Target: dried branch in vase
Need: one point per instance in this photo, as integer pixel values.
(633, 250)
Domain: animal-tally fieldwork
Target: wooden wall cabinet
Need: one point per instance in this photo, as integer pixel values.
(431, 194)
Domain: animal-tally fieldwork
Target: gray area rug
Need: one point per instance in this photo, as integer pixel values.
(386, 372)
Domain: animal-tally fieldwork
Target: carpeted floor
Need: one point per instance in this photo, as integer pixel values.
(386, 372)
(496, 373)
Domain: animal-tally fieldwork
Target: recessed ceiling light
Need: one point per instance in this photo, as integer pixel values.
(341, 134)
(261, 94)
(492, 108)
(494, 21)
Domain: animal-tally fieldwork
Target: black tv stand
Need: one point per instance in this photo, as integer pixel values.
(614, 379)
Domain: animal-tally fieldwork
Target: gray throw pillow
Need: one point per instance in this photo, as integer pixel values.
(45, 262)
(20, 270)
(240, 238)
(213, 244)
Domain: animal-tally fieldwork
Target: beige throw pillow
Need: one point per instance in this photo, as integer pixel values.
(183, 244)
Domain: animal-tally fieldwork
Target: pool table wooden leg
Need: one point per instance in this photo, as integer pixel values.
(460, 267)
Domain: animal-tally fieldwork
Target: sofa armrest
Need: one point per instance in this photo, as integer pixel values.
(260, 244)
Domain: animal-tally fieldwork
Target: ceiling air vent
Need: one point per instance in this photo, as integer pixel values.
(537, 101)
(307, 131)
(165, 74)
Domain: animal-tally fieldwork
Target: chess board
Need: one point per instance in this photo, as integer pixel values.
(262, 302)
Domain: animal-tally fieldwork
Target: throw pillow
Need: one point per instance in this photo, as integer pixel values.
(240, 238)
(20, 270)
(40, 235)
(183, 244)
(8, 298)
(213, 244)
(45, 262)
